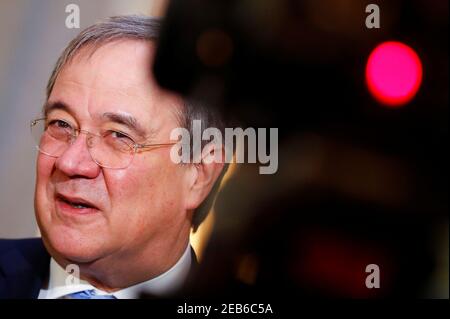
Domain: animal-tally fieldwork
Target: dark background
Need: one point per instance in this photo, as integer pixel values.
(358, 182)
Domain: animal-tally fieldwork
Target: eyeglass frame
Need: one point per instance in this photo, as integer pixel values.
(74, 135)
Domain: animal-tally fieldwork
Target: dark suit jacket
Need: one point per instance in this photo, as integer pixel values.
(25, 265)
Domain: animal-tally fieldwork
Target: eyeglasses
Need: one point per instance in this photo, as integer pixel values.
(109, 149)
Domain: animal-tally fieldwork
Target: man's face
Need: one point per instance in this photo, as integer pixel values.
(140, 207)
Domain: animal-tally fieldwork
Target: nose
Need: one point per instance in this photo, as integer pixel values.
(76, 160)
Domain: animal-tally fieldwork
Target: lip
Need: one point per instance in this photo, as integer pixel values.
(65, 205)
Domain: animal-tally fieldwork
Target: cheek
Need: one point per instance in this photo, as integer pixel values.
(44, 165)
(44, 168)
(43, 190)
(149, 175)
(146, 194)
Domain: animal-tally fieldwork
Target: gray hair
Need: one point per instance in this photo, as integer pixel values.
(147, 29)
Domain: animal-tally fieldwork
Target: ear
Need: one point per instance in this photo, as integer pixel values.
(205, 174)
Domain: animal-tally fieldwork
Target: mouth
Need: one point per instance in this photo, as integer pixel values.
(75, 205)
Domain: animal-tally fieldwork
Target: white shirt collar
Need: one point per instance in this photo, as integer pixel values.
(162, 285)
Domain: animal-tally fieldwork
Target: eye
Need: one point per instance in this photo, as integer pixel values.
(118, 140)
(59, 124)
(119, 135)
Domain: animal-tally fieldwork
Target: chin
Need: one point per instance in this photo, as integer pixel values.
(73, 246)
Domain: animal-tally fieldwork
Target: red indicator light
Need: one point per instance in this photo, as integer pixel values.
(393, 73)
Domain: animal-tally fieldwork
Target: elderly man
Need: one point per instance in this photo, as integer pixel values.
(113, 209)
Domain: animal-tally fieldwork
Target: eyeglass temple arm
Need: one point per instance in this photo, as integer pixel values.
(141, 146)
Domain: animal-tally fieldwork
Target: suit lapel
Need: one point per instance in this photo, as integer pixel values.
(23, 269)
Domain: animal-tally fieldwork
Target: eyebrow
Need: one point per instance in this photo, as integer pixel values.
(58, 105)
(120, 118)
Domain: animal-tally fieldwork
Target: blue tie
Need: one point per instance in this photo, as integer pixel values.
(87, 294)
